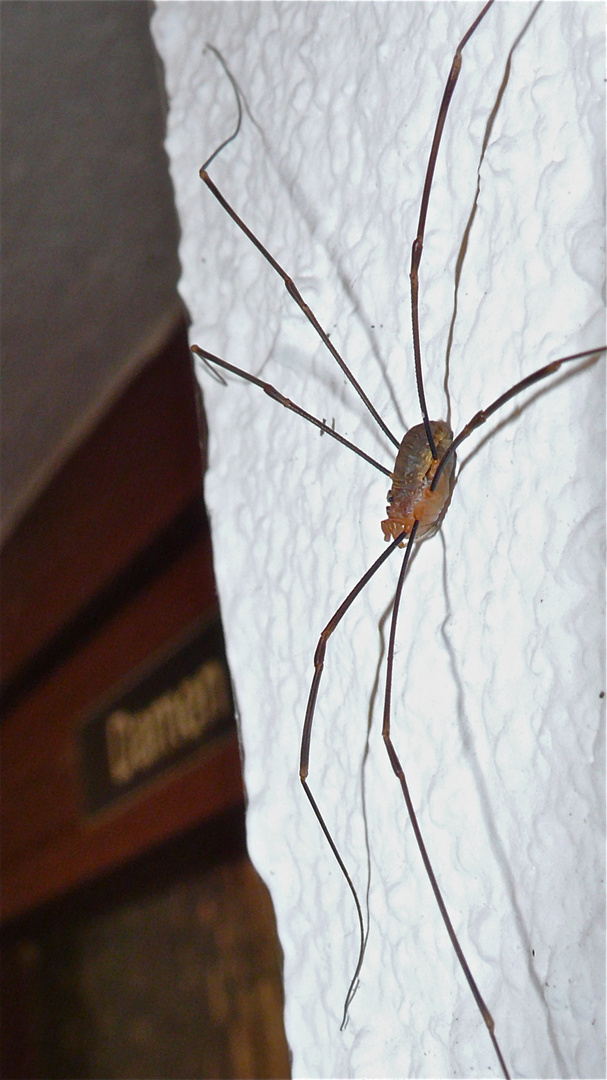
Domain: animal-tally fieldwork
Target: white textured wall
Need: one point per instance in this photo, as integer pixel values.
(497, 710)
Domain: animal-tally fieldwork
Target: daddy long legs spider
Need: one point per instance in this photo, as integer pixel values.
(497, 716)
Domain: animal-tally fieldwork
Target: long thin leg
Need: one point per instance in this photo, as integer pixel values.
(319, 660)
(272, 392)
(483, 414)
(290, 285)
(418, 243)
(400, 773)
(294, 292)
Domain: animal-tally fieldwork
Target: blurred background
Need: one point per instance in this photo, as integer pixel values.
(136, 938)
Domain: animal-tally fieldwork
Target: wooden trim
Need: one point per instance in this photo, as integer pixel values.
(110, 567)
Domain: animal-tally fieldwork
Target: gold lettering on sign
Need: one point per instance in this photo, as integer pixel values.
(137, 740)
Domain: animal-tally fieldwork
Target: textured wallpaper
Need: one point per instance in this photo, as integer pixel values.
(496, 696)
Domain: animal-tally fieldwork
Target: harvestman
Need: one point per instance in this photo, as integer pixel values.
(440, 462)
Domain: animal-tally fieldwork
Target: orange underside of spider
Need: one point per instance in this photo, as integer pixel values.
(411, 498)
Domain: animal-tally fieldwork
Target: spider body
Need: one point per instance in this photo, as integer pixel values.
(412, 497)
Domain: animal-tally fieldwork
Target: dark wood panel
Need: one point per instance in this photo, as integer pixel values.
(169, 966)
(48, 845)
(108, 572)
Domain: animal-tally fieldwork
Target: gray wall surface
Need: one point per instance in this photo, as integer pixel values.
(89, 232)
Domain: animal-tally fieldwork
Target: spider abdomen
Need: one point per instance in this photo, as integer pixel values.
(411, 497)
